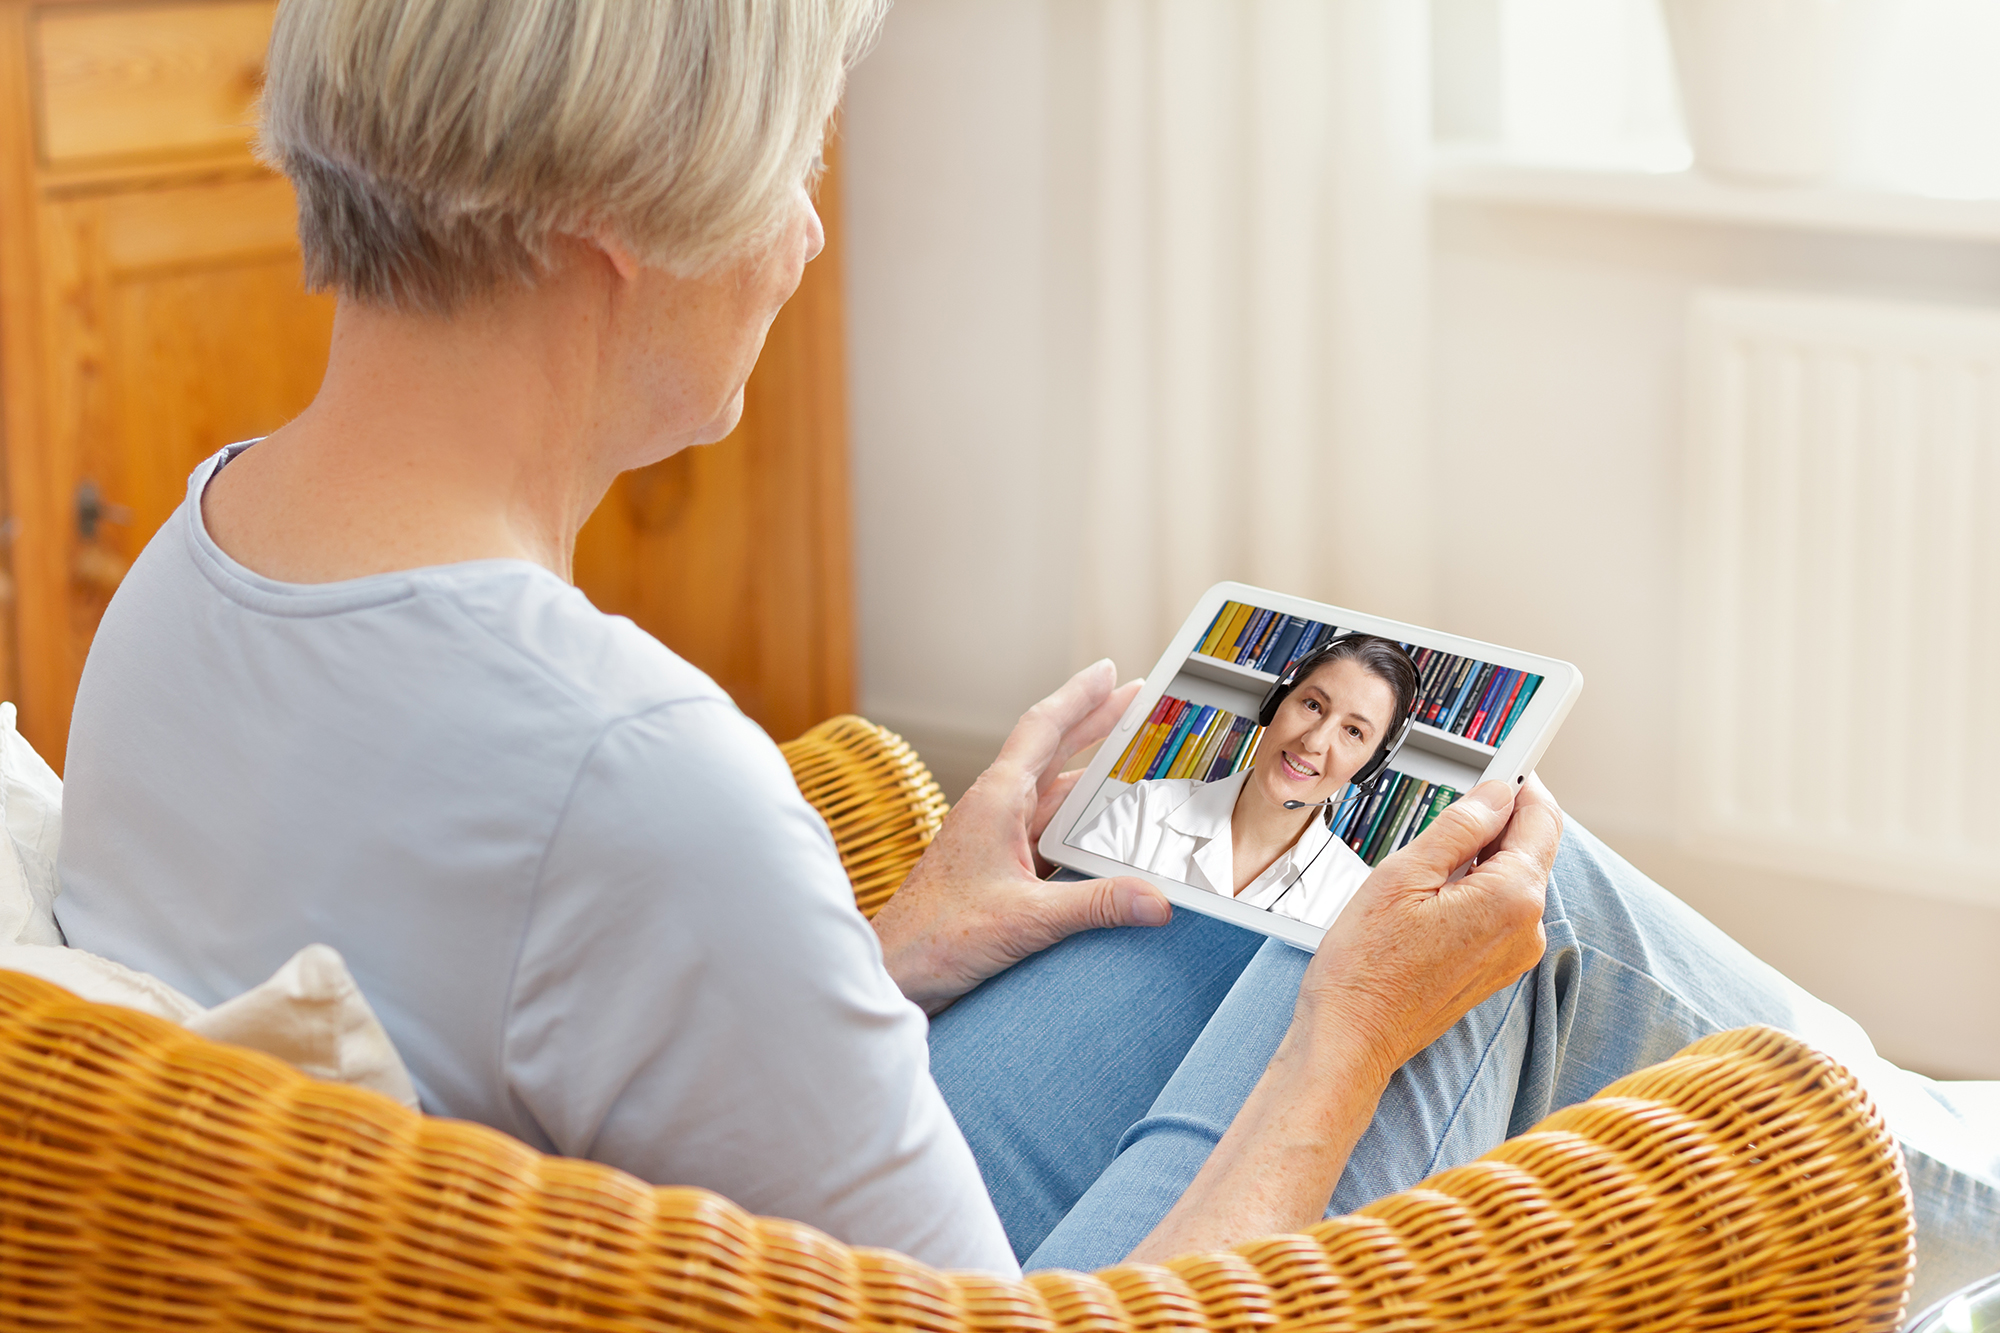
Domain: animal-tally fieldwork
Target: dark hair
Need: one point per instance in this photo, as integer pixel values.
(1384, 658)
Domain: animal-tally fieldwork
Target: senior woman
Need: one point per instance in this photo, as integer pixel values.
(347, 694)
(1265, 835)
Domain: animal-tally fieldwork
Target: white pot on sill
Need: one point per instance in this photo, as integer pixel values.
(1773, 89)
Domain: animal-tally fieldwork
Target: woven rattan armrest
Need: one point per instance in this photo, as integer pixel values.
(881, 802)
(152, 1179)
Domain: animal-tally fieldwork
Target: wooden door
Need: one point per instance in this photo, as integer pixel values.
(176, 325)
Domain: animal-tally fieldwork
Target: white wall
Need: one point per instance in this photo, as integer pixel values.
(961, 518)
(1556, 377)
(1558, 367)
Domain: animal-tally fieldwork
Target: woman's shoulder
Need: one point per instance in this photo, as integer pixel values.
(604, 662)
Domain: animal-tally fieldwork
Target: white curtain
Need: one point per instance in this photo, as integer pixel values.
(1240, 233)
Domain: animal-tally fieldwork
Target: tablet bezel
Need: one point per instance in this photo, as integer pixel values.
(1516, 757)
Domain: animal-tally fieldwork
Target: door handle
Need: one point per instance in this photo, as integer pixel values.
(96, 566)
(92, 509)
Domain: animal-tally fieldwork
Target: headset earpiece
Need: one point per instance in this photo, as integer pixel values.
(1374, 768)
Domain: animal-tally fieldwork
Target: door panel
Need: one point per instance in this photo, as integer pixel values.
(177, 325)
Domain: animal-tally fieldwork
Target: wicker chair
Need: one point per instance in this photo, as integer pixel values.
(152, 1179)
(875, 794)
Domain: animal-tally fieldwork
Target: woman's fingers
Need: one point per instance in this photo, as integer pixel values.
(1037, 739)
(1054, 792)
(1532, 835)
(1092, 728)
(1077, 716)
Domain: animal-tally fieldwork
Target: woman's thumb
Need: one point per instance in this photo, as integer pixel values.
(1101, 903)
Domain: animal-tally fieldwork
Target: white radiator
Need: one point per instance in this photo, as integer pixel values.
(1840, 645)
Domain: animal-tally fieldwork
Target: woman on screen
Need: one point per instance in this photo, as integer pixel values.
(1264, 836)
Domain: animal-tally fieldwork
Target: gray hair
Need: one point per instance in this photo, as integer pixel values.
(438, 147)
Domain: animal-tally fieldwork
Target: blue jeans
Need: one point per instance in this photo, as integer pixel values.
(1093, 1079)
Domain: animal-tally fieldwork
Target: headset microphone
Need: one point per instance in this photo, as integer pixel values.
(1303, 805)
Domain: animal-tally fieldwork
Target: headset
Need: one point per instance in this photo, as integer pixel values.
(1364, 778)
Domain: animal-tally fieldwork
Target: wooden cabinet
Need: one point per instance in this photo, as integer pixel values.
(151, 312)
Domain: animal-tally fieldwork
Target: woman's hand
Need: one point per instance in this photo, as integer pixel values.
(976, 903)
(1413, 953)
(1406, 959)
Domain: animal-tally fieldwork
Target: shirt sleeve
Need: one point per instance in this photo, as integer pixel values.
(698, 1001)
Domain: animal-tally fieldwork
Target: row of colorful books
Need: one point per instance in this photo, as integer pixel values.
(1470, 698)
(1460, 695)
(1396, 809)
(1188, 740)
(1262, 640)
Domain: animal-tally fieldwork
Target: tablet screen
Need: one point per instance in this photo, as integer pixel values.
(1282, 800)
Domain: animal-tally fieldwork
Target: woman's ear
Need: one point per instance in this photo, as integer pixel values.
(622, 260)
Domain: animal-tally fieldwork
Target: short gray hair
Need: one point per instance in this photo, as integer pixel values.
(438, 147)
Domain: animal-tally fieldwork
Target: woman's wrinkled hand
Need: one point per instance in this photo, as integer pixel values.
(976, 903)
(1415, 950)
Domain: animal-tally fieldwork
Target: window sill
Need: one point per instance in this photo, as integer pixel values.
(1483, 177)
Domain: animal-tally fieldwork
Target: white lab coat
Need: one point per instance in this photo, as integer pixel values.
(1179, 827)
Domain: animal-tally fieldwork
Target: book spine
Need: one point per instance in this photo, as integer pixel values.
(1262, 648)
(1262, 645)
(1420, 815)
(1198, 738)
(1502, 706)
(1435, 665)
(1453, 687)
(1282, 643)
(1253, 629)
(1165, 727)
(1200, 750)
(1394, 810)
(1413, 802)
(1495, 687)
(1232, 640)
(1251, 739)
(1137, 745)
(1310, 638)
(1407, 817)
(1384, 811)
(1210, 640)
(1344, 803)
(1171, 751)
(1170, 760)
(1441, 797)
(1419, 797)
(1371, 808)
(1218, 767)
(1468, 694)
(1528, 689)
(1225, 732)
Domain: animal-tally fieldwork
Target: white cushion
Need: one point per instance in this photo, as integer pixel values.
(309, 1014)
(31, 809)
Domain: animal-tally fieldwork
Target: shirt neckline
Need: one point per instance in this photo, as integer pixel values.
(260, 592)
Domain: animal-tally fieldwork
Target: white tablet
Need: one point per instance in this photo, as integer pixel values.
(1278, 724)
